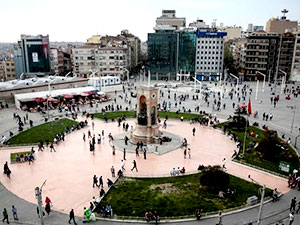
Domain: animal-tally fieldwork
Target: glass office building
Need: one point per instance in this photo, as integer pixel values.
(187, 52)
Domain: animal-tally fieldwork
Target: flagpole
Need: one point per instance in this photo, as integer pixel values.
(246, 128)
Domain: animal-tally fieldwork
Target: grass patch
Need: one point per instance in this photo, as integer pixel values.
(256, 158)
(43, 132)
(174, 196)
(132, 114)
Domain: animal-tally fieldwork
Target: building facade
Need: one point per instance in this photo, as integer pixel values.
(168, 17)
(209, 55)
(33, 51)
(261, 55)
(295, 70)
(105, 61)
(60, 61)
(186, 52)
(286, 54)
(280, 25)
(7, 70)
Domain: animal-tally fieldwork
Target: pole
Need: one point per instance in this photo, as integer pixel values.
(245, 135)
(269, 76)
(149, 77)
(293, 119)
(263, 90)
(195, 83)
(39, 201)
(256, 92)
(261, 204)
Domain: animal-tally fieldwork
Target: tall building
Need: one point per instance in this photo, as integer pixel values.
(186, 52)
(34, 53)
(286, 53)
(163, 53)
(169, 18)
(250, 27)
(261, 54)
(104, 60)
(280, 25)
(258, 28)
(209, 54)
(295, 70)
(7, 69)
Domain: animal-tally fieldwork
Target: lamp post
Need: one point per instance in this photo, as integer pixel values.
(38, 194)
(237, 81)
(263, 187)
(49, 95)
(283, 80)
(294, 112)
(263, 89)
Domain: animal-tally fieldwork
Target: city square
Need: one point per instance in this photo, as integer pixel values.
(180, 112)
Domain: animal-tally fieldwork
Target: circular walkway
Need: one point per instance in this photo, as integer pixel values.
(70, 169)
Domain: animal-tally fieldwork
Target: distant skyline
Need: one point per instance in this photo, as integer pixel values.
(74, 20)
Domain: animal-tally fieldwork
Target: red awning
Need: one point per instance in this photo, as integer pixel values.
(67, 96)
(53, 100)
(39, 99)
(90, 93)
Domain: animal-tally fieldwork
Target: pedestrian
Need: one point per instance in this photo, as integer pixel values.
(184, 153)
(123, 166)
(224, 162)
(194, 130)
(6, 170)
(145, 153)
(15, 212)
(293, 204)
(72, 217)
(83, 137)
(134, 166)
(52, 147)
(100, 181)
(220, 219)
(95, 181)
(5, 216)
(113, 150)
(48, 206)
(137, 152)
(112, 169)
(93, 125)
(291, 218)
(124, 154)
(189, 153)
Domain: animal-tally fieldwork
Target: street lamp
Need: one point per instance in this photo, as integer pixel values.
(49, 95)
(263, 89)
(237, 82)
(261, 199)
(38, 194)
(293, 108)
(283, 80)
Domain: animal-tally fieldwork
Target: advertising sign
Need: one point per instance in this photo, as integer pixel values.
(35, 57)
(284, 166)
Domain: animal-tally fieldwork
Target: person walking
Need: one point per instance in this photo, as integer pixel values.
(224, 163)
(83, 137)
(5, 216)
(194, 131)
(293, 204)
(95, 181)
(291, 218)
(48, 206)
(137, 152)
(6, 170)
(124, 154)
(134, 166)
(112, 169)
(52, 147)
(72, 217)
(15, 212)
(145, 153)
(123, 165)
(184, 153)
(100, 181)
(220, 219)
(113, 150)
(189, 153)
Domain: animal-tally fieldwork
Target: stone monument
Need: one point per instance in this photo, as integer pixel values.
(147, 128)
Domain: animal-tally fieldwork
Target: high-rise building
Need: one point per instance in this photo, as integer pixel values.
(258, 28)
(186, 52)
(280, 25)
(169, 18)
(33, 51)
(261, 54)
(7, 69)
(209, 54)
(250, 27)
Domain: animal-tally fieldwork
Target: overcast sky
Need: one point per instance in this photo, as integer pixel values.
(77, 20)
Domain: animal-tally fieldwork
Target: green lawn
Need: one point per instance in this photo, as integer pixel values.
(41, 132)
(132, 114)
(255, 157)
(173, 196)
(13, 155)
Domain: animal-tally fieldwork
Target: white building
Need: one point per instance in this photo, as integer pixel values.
(209, 54)
(295, 71)
(100, 60)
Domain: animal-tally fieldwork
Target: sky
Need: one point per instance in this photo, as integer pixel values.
(77, 20)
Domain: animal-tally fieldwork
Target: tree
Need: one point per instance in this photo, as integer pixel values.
(228, 60)
(269, 146)
(215, 178)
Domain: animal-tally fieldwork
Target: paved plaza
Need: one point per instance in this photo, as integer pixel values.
(70, 169)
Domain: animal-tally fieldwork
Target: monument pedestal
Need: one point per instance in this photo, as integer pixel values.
(146, 134)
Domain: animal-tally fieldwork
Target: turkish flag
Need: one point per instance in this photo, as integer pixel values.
(249, 107)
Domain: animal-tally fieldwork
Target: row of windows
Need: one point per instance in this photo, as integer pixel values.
(209, 47)
(208, 68)
(208, 57)
(100, 64)
(204, 62)
(97, 51)
(209, 52)
(210, 42)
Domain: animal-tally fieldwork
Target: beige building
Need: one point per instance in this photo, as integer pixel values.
(95, 39)
(280, 25)
(232, 32)
(169, 18)
(7, 70)
(108, 60)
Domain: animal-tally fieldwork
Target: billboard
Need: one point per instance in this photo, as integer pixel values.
(211, 33)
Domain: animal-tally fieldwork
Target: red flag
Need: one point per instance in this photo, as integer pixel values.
(249, 107)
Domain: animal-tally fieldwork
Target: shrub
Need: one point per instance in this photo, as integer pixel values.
(214, 178)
